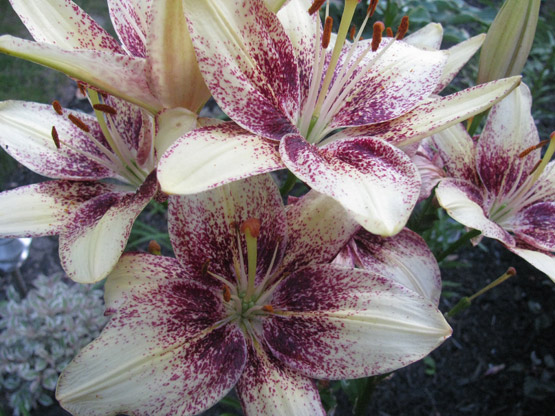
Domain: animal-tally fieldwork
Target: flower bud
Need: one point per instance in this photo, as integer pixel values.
(509, 40)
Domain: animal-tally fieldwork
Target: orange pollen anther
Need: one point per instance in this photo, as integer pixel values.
(82, 88)
(154, 248)
(535, 166)
(57, 107)
(55, 137)
(227, 294)
(315, 6)
(372, 7)
(253, 225)
(403, 28)
(79, 123)
(389, 32)
(204, 268)
(377, 35)
(326, 36)
(352, 32)
(268, 308)
(105, 108)
(532, 148)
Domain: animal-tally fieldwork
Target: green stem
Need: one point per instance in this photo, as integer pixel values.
(457, 244)
(363, 399)
(476, 120)
(288, 184)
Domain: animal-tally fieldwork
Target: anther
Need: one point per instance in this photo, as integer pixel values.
(79, 123)
(204, 268)
(226, 293)
(377, 35)
(105, 108)
(403, 28)
(532, 148)
(326, 36)
(268, 308)
(154, 248)
(82, 88)
(55, 137)
(352, 32)
(511, 271)
(536, 166)
(372, 7)
(253, 227)
(315, 6)
(57, 107)
(389, 32)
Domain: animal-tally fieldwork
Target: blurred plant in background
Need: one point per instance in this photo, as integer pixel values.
(40, 334)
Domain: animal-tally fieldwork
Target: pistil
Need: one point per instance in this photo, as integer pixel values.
(251, 229)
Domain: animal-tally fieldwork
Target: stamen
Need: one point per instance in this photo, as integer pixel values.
(226, 294)
(532, 148)
(268, 308)
(403, 28)
(57, 107)
(389, 32)
(55, 137)
(372, 7)
(377, 35)
(352, 32)
(538, 163)
(79, 123)
(105, 109)
(315, 6)
(204, 268)
(154, 248)
(326, 36)
(82, 88)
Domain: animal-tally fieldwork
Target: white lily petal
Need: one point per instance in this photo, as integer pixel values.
(438, 114)
(209, 157)
(268, 388)
(172, 124)
(429, 37)
(130, 20)
(172, 69)
(463, 201)
(100, 230)
(120, 75)
(541, 260)
(64, 24)
(338, 323)
(458, 57)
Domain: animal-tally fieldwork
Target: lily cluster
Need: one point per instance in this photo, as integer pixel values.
(261, 296)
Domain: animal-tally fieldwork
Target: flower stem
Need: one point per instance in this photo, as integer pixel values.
(363, 399)
(457, 244)
(288, 184)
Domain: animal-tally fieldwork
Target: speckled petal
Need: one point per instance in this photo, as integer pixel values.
(213, 156)
(160, 354)
(535, 225)
(130, 20)
(404, 258)
(65, 24)
(268, 388)
(464, 202)
(509, 130)
(338, 323)
(458, 56)
(99, 230)
(394, 84)
(120, 75)
(541, 260)
(248, 63)
(429, 37)
(172, 69)
(202, 226)
(318, 227)
(46, 208)
(438, 114)
(376, 182)
(26, 134)
(457, 151)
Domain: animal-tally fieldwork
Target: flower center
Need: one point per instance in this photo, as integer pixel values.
(330, 90)
(115, 153)
(518, 198)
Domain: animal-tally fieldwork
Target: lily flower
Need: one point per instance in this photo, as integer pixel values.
(104, 171)
(499, 184)
(153, 67)
(277, 78)
(251, 301)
